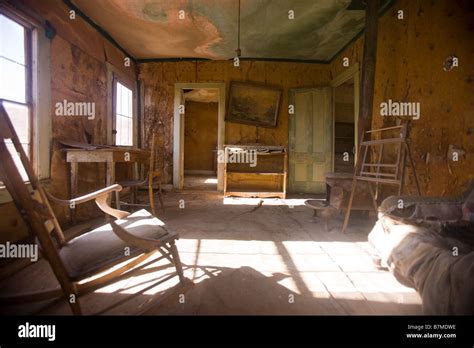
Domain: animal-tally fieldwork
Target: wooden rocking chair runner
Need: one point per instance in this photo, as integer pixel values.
(153, 177)
(88, 254)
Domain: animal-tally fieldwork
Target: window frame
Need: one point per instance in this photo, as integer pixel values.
(38, 91)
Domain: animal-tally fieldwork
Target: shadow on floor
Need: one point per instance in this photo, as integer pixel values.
(225, 291)
(244, 291)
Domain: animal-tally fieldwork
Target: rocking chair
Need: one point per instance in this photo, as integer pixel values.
(91, 253)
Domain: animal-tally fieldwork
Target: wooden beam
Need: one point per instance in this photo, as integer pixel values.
(368, 67)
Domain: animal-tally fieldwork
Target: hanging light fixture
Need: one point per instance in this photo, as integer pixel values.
(238, 51)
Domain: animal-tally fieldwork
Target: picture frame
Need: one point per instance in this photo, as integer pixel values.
(253, 104)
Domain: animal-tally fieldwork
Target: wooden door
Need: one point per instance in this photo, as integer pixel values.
(310, 139)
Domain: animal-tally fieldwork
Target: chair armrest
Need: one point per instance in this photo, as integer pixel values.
(85, 198)
(100, 197)
(101, 202)
(138, 242)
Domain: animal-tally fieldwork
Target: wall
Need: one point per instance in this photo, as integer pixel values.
(200, 136)
(78, 73)
(159, 79)
(409, 67)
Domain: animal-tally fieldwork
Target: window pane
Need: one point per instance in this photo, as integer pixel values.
(19, 116)
(12, 81)
(118, 135)
(130, 103)
(118, 98)
(124, 131)
(125, 101)
(16, 159)
(12, 40)
(128, 130)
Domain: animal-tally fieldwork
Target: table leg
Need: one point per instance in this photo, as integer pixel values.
(136, 170)
(110, 178)
(74, 176)
(136, 176)
(328, 193)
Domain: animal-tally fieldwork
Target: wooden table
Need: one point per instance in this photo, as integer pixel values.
(109, 155)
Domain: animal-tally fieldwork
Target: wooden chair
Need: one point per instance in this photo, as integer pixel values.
(91, 253)
(153, 177)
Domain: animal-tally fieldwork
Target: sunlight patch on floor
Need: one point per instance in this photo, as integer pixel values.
(340, 269)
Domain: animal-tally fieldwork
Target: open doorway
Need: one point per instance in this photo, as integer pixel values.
(200, 139)
(344, 131)
(345, 115)
(195, 144)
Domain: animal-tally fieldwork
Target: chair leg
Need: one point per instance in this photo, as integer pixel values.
(160, 197)
(177, 261)
(151, 198)
(75, 307)
(72, 297)
(117, 200)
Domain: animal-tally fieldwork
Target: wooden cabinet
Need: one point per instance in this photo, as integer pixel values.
(255, 171)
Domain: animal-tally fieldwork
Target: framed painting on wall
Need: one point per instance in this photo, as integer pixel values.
(253, 104)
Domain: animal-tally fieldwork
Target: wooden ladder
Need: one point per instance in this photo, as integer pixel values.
(378, 172)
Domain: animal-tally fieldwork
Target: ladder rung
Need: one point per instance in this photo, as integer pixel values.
(384, 129)
(380, 165)
(382, 141)
(379, 180)
(372, 174)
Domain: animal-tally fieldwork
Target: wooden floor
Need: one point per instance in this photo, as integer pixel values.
(200, 183)
(247, 259)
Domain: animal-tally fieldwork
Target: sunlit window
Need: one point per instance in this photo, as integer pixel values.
(14, 72)
(123, 115)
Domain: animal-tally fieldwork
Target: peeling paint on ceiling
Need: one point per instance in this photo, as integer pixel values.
(150, 29)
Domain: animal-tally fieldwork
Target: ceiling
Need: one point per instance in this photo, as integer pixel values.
(152, 29)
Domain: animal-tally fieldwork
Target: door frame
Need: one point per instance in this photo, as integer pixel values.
(178, 131)
(353, 72)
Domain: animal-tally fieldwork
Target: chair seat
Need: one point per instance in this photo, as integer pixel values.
(94, 250)
(128, 183)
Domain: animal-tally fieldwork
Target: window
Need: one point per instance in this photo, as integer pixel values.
(25, 87)
(123, 115)
(122, 108)
(15, 70)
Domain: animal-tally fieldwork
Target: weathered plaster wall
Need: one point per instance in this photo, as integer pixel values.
(410, 56)
(78, 73)
(200, 136)
(159, 79)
